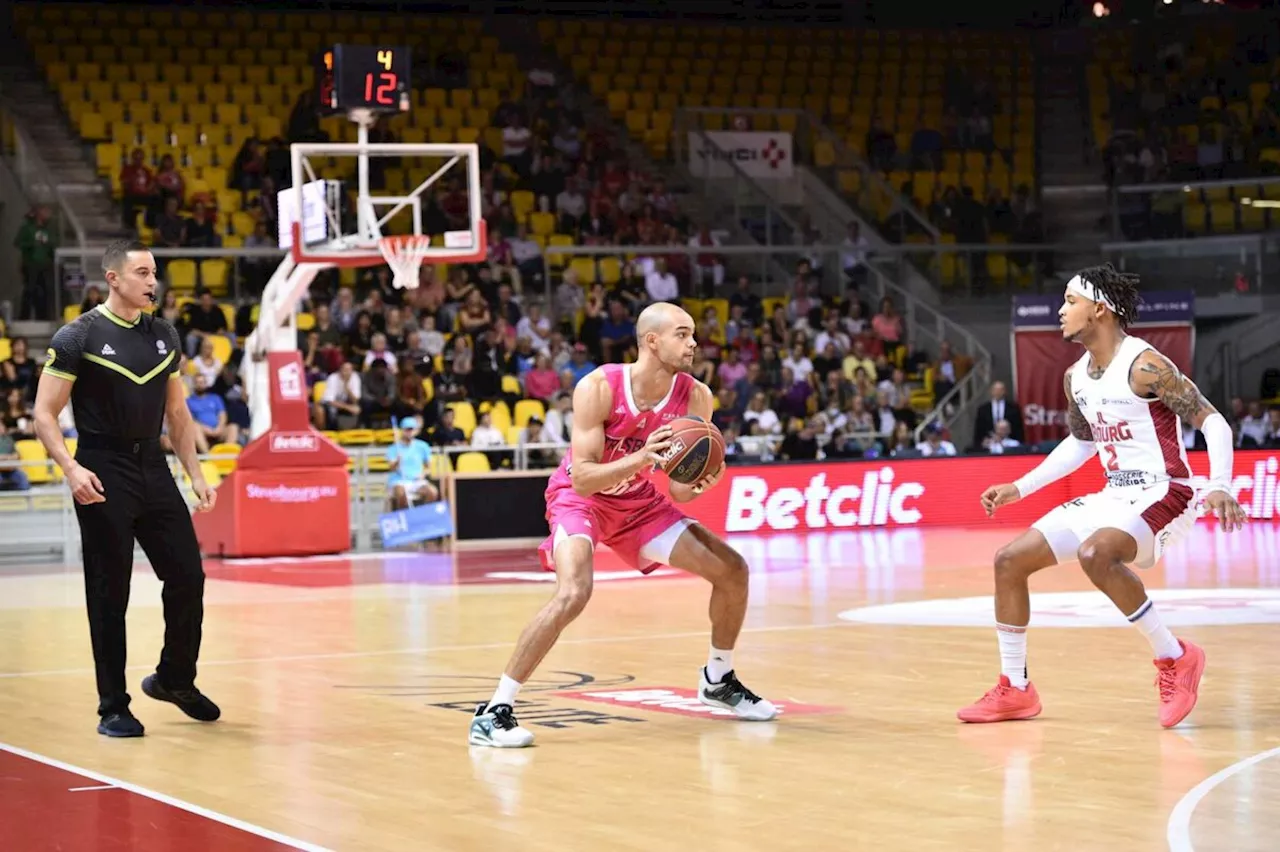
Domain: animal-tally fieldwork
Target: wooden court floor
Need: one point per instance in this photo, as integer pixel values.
(346, 686)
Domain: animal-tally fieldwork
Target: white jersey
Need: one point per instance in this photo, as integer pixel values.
(1139, 440)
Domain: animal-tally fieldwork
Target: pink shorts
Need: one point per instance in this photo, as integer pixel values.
(642, 530)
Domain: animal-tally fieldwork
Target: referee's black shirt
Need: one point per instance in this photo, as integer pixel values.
(121, 372)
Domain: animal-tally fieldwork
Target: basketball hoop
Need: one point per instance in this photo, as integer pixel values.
(404, 254)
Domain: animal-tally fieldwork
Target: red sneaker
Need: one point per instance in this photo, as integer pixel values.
(1003, 703)
(1178, 682)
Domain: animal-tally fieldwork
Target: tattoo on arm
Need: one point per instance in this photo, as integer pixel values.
(1076, 421)
(1157, 376)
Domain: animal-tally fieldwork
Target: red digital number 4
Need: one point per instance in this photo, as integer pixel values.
(383, 92)
(1113, 463)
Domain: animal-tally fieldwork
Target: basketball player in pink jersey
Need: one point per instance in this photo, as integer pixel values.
(602, 493)
(1125, 404)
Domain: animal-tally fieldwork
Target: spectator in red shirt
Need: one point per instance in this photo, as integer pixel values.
(137, 188)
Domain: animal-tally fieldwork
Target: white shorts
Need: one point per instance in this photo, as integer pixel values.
(1155, 515)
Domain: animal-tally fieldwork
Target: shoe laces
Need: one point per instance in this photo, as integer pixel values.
(187, 696)
(1167, 682)
(504, 718)
(996, 693)
(731, 680)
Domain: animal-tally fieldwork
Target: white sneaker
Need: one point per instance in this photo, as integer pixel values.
(730, 694)
(497, 727)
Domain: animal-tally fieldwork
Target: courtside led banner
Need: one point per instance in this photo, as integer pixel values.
(923, 492)
(1041, 356)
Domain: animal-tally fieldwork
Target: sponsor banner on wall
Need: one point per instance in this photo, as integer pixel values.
(797, 498)
(759, 155)
(1041, 356)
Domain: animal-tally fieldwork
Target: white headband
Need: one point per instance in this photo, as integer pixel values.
(1088, 291)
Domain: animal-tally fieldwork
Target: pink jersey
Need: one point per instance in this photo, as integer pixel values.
(628, 428)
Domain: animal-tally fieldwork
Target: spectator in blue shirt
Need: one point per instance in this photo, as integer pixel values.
(410, 460)
(210, 414)
(581, 364)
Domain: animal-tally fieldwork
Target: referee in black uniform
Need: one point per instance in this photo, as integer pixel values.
(120, 369)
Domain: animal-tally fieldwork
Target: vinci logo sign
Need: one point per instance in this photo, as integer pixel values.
(714, 154)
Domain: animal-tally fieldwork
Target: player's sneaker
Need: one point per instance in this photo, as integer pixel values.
(1003, 703)
(497, 727)
(1178, 682)
(730, 694)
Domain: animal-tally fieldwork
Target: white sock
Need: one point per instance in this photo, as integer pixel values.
(1013, 653)
(1162, 641)
(719, 664)
(506, 692)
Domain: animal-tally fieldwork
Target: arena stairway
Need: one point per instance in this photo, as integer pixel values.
(49, 129)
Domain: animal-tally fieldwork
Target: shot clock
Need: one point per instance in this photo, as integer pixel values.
(363, 77)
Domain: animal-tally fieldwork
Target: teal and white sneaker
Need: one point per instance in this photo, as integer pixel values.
(497, 727)
(730, 694)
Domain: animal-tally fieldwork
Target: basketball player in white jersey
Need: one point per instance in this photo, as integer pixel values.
(1125, 404)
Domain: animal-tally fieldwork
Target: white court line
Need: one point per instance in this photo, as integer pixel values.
(167, 800)
(487, 646)
(94, 787)
(1179, 831)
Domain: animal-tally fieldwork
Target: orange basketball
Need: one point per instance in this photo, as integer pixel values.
(697, 449)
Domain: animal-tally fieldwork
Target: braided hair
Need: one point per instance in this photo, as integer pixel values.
(1120, 288)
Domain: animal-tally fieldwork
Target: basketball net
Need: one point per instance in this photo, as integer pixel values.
(404, 254)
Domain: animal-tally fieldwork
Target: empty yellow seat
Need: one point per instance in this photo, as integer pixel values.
(472, 463)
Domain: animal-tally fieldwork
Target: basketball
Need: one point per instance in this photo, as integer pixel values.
(697, 449)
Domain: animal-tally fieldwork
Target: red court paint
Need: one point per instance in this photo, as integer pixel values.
(42, 807)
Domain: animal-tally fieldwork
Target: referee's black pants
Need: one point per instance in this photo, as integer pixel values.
(142, 502)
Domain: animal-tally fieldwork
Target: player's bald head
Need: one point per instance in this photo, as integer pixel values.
(659, 317)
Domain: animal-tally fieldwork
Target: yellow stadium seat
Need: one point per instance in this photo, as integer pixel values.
(355, 437)
(464, 417)
(182, 274)
(473, 463)
(384, 436)
(499, 414)
(529, 408)
(37, 468)
(510, 384)
(221, 348)
(6, 348)
(224, 466)
(543, 224)
(585, 269)
(213, 275)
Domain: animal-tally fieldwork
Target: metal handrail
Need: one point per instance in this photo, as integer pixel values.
(1192, 186)
(27, 160)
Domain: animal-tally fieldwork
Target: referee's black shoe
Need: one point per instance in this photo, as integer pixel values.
(122, 724)
(190, 701)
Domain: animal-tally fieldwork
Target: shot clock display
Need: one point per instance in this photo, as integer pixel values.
(363, 77)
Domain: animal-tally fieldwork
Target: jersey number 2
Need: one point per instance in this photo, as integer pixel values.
(1112, 462)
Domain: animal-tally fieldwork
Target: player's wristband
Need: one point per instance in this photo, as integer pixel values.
(1064, 459)
(1219, 441)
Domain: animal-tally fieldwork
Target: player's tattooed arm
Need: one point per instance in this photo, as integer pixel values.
(1076, 421)
(1154, 375)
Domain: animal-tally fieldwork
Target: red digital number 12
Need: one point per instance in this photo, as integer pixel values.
(381, 94)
